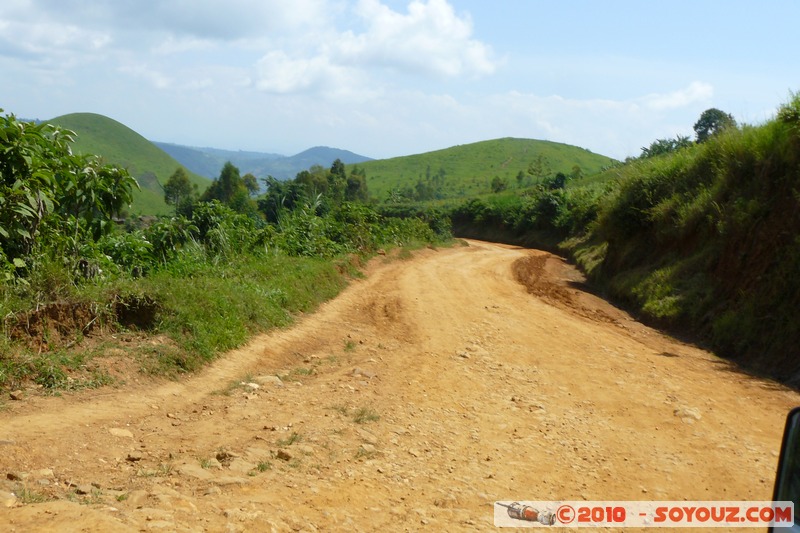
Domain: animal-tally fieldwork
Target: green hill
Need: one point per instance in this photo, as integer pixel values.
(120, 145)
(468, 170)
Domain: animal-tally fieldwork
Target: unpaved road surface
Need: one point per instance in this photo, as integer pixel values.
(414, 400)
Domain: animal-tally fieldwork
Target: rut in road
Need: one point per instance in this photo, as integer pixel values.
(418, 397)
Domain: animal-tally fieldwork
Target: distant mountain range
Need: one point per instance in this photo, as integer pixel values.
(209, 161)
(153, 163)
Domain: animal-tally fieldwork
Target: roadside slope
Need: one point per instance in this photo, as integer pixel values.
(418, 397)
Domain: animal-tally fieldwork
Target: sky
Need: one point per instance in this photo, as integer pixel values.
(386, 78)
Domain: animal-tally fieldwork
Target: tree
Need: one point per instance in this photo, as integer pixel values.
(337, 182)
(250, 183)
(540, 167)
(499, 184)
(315, 180)
(559, 181)
(665, 146)
(178, 189)
(230, 189)
(711, 122)
(282, 195)
(356, 189)
(92, 193)
(43, 184)
(226, 186)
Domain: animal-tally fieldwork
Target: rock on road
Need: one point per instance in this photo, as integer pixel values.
(423, 393)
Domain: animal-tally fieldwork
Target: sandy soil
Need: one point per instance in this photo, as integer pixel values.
(414, 400)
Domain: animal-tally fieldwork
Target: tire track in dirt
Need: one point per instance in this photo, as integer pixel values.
(415, 399)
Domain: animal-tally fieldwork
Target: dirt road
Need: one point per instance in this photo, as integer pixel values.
(422, 394)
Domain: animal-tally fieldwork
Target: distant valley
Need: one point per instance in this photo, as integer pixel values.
(209, 161)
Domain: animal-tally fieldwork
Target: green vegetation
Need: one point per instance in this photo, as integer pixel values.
(291, 439)
(473, 169)
(117, 144)
(364, 415)
(701, 236)
(204, 280)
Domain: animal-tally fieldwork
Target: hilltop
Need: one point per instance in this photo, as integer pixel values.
(468, 170)
(209, 161)
(120, 145)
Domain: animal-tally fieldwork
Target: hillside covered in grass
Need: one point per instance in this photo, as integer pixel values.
(120, 145)
(705, 239)
(473, 169)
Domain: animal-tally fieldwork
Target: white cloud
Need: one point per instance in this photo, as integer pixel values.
(430, 38)
(618, 128)
(155, 78)
(230, 20)
(430, 41)
(696, 92)
(50, 42)
(278, 73)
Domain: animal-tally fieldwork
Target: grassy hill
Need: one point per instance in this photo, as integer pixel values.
(120, 145)
(468, 170)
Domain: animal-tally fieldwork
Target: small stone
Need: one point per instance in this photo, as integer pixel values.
(137, 498)
(212, 491)
(7, 499)
(268, 380)
(117, 432)
(463, 355)
(226, 456)
(241, 466)
(195, 471)
(84, 489)
(369, 374)
(367, 448)
(283, 455)
(134, 456)
(366, 436)
(687, 415)
(448, 502)
(16, 395)
(254, 386)
(413, 452)
(43, 473)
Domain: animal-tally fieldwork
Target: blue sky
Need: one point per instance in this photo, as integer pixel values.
(385, 78)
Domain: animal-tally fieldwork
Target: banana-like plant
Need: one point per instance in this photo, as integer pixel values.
(43, 182)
